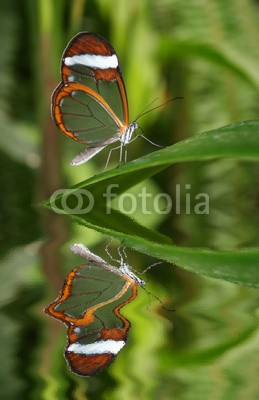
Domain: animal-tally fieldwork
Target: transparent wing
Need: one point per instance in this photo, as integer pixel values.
(107, 82)
(83, 114)
(90, 304)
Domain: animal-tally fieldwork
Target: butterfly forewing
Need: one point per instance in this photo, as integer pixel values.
(99, 110)
(88, 48)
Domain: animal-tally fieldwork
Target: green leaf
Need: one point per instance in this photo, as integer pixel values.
(241, 267)
(240, 140)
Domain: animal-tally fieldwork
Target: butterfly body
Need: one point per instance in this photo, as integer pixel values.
(126, 136)
(90, 104)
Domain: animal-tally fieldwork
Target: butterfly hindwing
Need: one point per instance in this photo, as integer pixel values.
(81, 116)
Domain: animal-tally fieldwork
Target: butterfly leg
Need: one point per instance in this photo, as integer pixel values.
(121, 250)
(109, 155)
(122, 253)
(109, 254)
(121, 153)
(125, 155)
(148, 140)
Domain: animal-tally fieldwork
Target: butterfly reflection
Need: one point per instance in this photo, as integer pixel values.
(89, 305)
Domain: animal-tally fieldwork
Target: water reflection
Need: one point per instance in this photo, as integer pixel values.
(89, 305)
(212, 344)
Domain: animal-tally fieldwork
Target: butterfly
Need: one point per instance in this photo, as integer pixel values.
(89, 305)
(90, 104)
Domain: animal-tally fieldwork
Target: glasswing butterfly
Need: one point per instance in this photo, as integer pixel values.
(90, 104)
(89, 305)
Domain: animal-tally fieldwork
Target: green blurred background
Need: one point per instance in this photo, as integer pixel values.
(208, 53)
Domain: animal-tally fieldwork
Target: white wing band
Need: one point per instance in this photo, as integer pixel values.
(93, 61)
(100, 347)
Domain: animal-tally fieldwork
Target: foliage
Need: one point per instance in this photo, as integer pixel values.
(237, 140)
(207, 52)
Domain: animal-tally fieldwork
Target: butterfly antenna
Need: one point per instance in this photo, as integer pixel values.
(154, 108)
(152, 294)
(158, 299)
(145, 108)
